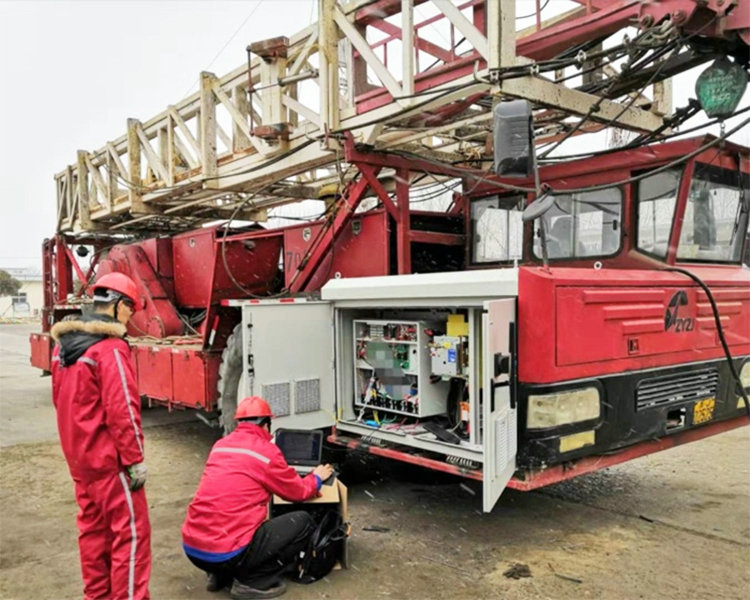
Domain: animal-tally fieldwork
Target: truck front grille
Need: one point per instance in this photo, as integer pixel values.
(676, 388)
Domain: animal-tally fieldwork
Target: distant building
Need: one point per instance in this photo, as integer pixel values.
(30, 298)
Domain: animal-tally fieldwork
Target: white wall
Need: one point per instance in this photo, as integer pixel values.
(34, 297)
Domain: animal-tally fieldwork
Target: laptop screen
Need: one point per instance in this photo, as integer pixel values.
(300, 447)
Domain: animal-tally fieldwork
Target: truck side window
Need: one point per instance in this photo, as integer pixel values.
(582, 225)
(712, 229)
(496, 229)
(657, 199)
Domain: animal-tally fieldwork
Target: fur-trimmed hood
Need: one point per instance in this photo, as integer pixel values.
(77, 335)
(99, 326)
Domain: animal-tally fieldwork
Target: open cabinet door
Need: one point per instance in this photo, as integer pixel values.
(498, 405)
(289, 361)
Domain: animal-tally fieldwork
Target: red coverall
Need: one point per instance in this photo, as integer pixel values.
(231, 502)
(99, 421)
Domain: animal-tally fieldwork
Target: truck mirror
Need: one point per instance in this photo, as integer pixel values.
(514, 138)
(538, 207)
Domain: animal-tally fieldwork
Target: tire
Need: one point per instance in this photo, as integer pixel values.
(230, 374)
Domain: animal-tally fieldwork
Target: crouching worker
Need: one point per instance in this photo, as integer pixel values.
(226, 532)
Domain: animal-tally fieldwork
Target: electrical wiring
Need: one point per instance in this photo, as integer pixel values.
(639, 141)
(719, 330)
(634, 66)
(305, 219)
(460, 172)
(433, 195)
(541, 8)
(665, 167)
(484, 179)
(232, 278)
(224, 47)
(596, 106)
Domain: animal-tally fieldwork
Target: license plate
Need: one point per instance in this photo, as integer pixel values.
(703, 410)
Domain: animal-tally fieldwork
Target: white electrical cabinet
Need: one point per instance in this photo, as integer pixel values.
(392, 368)
(403, 363)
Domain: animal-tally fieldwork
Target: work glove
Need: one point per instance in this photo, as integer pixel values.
(137, 473)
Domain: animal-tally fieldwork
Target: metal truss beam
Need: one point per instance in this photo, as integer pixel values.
(277, 125)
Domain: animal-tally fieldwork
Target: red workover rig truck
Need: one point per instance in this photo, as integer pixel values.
(547, 316)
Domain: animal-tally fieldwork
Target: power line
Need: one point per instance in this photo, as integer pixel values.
(229, 41)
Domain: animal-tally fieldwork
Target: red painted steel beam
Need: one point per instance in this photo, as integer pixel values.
(63, 274)
(74, 263)
(411, 163)
(739, 20)
(379, 10)
(419, 43)
(434, 237)
(328, 234)
(403, 226)
(370, 175)
(593, 463)
(47, 281)
(436, 76)
(414, 459)
(606, 20)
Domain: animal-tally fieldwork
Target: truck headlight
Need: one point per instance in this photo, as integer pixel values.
(561, 408)
(745, 375)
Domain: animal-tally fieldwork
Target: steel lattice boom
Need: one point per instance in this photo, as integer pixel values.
(372, 70)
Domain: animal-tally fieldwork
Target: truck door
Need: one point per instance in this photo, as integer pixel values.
(289, 361)
(498, 405)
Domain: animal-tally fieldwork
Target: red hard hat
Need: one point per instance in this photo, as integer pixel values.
(120, 283)
(251, 407)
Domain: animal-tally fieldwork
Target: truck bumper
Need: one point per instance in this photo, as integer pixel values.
(536, 478)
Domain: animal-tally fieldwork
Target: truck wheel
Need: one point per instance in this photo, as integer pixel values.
(230, 375)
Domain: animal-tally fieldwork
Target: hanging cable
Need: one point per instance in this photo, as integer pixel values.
(719, 330)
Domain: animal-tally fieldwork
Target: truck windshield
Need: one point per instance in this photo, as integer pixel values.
(715, 221)
(497, 229)
(657, 200)
(582, 225)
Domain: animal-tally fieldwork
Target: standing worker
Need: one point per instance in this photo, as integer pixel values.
(226, 532)
(99, 421)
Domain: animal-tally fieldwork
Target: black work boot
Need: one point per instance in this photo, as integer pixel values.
(241, 591)
(214, 583)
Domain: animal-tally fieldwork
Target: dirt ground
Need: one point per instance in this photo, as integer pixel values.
(672, 525)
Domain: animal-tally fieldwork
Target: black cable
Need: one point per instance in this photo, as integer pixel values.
(541, 8)
(719, 329)
(632, 67)
(224, 242)
(637, 142)
(593, 188)
(665, 167)
(595, 108)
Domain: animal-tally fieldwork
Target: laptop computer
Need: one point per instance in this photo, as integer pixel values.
(301, 448)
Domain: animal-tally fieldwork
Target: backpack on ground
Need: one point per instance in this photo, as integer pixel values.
(323, 548)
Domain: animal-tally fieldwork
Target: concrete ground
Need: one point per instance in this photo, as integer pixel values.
(674, 525)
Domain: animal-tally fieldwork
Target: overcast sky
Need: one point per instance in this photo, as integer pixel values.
(73, 72)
